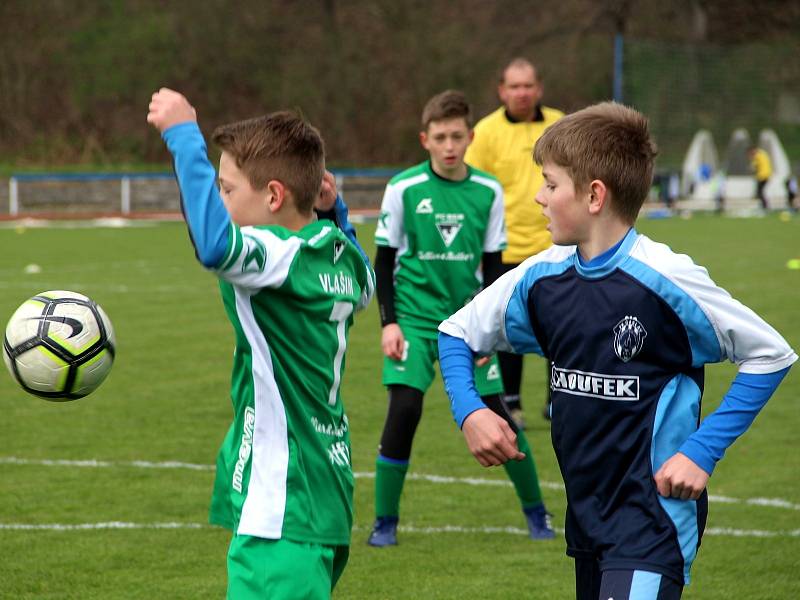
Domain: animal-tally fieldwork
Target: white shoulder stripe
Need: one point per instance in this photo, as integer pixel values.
(554, 254)
(404, 184)
(486, 181)
(743, 336)
(263, 260)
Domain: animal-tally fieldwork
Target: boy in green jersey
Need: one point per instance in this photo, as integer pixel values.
(290, 284)
(440, 221)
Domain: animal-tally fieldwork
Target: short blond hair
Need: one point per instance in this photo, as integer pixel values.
(281, 146)
(607, 141)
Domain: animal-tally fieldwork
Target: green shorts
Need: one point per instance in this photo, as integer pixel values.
(415, 368)
(259, 568)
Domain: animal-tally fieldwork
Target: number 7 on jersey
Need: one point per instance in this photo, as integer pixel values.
(339, 314)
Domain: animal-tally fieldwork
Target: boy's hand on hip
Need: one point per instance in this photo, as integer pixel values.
(679, 477)
(168, 108)
(490, 439)
(393, 341)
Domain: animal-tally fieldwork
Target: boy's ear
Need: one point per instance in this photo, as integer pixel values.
(598, 196)
(423, 139)
(275, 195)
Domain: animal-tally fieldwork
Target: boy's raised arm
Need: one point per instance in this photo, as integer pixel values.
(331, 206)
(208, 220)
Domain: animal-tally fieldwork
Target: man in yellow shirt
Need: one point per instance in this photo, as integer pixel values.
(503, 146)
(762, 166)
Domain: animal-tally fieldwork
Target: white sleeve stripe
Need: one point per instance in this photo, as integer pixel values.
(490, 183)
(495, 239)
(482, 322)
(263, 259)
(740, 334)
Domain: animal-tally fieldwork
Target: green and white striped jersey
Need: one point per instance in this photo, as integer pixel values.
(441, 229)
(284, 466)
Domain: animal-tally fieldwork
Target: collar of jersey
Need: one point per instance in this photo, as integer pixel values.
(437, 177)
(538, 116)
(605, 263)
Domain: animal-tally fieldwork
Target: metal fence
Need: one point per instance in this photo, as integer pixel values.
(138, 193)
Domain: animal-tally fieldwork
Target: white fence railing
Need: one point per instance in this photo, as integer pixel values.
(356, 180)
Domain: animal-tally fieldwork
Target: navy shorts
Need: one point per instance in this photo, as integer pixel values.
(593, 584)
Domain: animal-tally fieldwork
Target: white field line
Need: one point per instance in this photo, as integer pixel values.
(441, 479)
(108, 222)
(104, 464)
(713, 531)
(95, 526)
(62, 527)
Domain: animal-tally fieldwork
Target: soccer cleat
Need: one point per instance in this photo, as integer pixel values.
(384, 532)
(539, 527)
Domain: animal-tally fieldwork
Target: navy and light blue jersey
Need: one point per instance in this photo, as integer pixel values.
(627, 340)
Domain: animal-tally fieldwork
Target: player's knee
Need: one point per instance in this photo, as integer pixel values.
(405, 411)
(405, 406)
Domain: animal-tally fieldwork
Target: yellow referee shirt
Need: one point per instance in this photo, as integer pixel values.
(505, 149)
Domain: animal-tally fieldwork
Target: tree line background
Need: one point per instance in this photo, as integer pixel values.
(76, 76)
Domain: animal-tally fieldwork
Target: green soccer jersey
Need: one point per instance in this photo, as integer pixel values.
(284, 468)
(440, 229)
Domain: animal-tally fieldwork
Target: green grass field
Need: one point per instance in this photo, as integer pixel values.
(166, 402)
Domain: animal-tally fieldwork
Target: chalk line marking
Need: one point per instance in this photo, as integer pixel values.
(95, 526)
(440, 479)
(109, 525)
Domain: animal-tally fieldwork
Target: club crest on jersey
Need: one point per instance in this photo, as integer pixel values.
(629, 336)
(448, 226)
(338, 248)
(425, 206)
(492, 373)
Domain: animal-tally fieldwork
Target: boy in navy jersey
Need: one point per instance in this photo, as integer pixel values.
(627, 326)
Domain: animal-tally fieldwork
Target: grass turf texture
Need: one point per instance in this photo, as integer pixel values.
(167, 400)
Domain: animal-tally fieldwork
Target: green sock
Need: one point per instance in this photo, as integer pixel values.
(389, 479)
(523, 474)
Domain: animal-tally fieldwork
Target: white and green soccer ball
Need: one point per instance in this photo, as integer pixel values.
(59, 345)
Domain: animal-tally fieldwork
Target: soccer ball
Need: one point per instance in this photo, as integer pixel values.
(59, 345)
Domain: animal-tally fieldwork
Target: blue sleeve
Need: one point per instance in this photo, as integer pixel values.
(208, 219)
(458, 371)
(339, 215)
(746, 397)
(345, 225)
